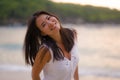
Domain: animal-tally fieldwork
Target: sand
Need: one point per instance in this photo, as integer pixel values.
(15, 75)
(25, 75)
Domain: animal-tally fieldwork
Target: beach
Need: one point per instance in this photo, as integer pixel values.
(15, 75)
(99, 49)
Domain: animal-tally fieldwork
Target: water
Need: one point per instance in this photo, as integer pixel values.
(99, 51)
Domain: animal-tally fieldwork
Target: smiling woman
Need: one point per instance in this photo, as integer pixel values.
(51, 48)
(112, 4)
(47, 24)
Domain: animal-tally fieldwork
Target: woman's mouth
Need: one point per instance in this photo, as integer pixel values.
(53, 28)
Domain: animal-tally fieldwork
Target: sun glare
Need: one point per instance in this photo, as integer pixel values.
(112, 4)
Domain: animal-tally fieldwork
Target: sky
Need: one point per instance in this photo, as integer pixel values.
(112, 4)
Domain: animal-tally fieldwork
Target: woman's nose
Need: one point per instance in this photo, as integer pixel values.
(51, 23)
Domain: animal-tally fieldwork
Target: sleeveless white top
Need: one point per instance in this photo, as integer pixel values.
(63, 69)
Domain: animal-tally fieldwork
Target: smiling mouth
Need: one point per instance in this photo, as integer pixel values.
(53, 28)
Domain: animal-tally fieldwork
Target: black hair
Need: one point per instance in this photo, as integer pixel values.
(34, 40)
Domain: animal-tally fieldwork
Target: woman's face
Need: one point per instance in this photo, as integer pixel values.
(47, 24)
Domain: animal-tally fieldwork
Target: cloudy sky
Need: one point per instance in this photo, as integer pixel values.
(112, 4)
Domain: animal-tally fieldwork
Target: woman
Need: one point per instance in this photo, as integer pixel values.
(51, 48)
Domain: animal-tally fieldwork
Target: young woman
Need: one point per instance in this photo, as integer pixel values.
(51, 48)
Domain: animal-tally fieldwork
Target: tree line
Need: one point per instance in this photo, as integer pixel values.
(18, 11)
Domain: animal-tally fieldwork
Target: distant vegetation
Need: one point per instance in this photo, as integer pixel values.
(18, 11)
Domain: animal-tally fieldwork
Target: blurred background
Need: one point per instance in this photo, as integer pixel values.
(97, 23)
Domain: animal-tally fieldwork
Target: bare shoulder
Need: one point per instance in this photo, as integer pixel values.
(42, 57)
(43, 54)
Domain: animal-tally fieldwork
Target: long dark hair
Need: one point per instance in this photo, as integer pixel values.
(34, 40)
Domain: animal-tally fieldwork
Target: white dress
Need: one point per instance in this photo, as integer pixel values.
(63, 69)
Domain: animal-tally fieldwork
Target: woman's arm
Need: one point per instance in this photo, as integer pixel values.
(76, 75)
(39, 63)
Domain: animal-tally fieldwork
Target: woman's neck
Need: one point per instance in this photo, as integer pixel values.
(57, 38)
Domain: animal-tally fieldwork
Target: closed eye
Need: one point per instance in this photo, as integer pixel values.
(44, 24)
(49, 17)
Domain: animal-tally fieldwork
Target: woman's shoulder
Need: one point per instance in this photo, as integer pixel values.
(43, 46)
(43, 51)
(46, 50)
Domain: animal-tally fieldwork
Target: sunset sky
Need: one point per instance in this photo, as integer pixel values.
(112, 4)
